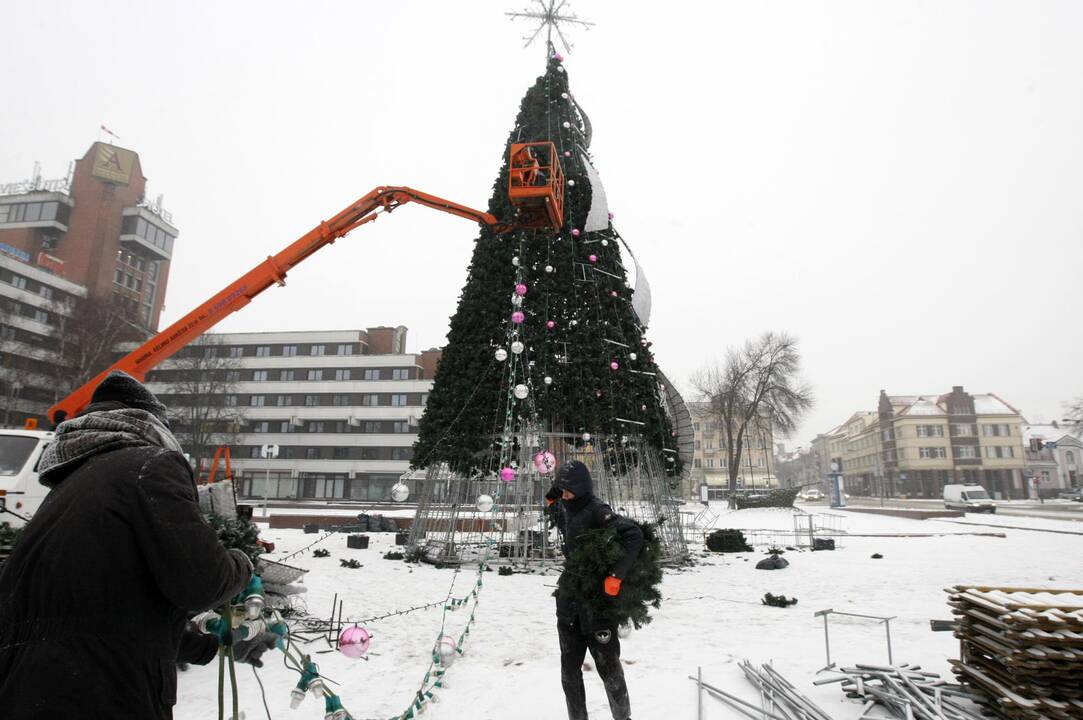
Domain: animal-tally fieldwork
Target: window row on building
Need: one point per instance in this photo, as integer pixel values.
(21, 282)
(288, 374)
(284, 485)
(280, 350)
(379, 427)
(156, 236)
(35, 212)
(330, 452)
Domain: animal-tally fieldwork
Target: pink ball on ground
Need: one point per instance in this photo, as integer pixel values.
(575, 232)
(594, 258)
(507, 474)
(614, 365)
(517, 317)
(520, 289)
(550, 324)
(353, 642)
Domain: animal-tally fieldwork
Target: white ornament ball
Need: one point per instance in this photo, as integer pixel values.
(521, 391)
(564, 95)
(517, 347)
(446, 649)
(548, 380)
(548, 268)
(515, 261)
(571, 183)
(560, 68)
(501, 354)
(399, 492)
(516, 300)
(485, 503)
(567, 124)
(586, 437)
(632, 356)
(573, 323)
(605, 243)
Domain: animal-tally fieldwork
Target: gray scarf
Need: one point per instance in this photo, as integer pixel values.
(102, 431)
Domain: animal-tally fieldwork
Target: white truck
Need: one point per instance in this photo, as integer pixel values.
(21, 493)
(968, 498)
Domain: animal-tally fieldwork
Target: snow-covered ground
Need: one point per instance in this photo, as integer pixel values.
(711, 617)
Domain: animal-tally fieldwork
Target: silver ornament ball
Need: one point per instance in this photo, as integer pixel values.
(501, 354)
(517, 347)
(521, 391)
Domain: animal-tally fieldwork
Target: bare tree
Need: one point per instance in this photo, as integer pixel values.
(88, 334)
(200, 387)
(1075, 414)
(756, 388)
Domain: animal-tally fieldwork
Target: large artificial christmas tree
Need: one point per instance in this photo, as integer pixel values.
(546, 358)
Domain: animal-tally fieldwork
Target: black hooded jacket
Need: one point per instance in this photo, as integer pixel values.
(94, 595)
(575, 517)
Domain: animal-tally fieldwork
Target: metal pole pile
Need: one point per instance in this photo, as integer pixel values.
(778, 697)
(1023, 647)
(907, 692)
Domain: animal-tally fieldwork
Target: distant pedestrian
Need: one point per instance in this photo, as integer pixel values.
(579, 511)
(93, 599)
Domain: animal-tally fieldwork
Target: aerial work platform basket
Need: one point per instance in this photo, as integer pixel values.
(536, 185)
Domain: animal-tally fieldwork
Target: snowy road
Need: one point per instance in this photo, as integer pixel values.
(711, 617)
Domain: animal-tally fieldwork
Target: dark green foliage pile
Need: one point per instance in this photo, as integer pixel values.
(394, 555)
(237, 533)
(728, 540)
(320, 552)
(595, 554)
(468, 397)
(778, 600)
(351, 563)
(505, 570)
(782, 498)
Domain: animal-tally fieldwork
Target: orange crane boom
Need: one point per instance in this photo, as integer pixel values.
(269, 272)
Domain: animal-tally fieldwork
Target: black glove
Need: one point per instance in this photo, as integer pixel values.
(553, 495)
(249, 651)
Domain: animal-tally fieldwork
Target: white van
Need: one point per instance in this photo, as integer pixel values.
(21, 494)
(968, 498)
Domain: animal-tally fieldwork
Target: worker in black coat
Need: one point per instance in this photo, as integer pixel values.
(577, 512)
(93, 599)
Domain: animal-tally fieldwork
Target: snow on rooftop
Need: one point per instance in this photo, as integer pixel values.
(990, 404)
(923, 406)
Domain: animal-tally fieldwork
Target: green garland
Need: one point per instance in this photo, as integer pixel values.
(237, 533)
(595, 554)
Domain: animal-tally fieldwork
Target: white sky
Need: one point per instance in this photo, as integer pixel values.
(896, 183)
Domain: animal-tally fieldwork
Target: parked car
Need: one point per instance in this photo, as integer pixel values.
(1075, 495)
(20, 492)
(968, 498)
(813, 494)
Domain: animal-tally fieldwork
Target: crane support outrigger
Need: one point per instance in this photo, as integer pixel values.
(271, 271)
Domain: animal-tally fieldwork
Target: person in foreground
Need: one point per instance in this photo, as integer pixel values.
(579, 511)
(94, 597)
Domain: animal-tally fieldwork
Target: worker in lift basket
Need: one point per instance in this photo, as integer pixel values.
(579, 511)
(94, 595)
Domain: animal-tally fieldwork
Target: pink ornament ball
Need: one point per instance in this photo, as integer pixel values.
(610, 216)
(558, 57)
(353, 642)
(614, 365)
(545, 462)
(614, 293)
(517, 317)
(594, 258)
(507, 474)
(567, 153)
(598, 394)
(550, 324)
(520, 289)
(575, 232)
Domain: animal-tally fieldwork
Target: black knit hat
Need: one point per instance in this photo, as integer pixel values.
(574, 477)
(120, 387)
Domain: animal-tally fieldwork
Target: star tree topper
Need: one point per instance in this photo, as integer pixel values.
(549, 16)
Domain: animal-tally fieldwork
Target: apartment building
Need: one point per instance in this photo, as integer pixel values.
(709, 459)
(35, 304)
(341, 406)
(913, 445)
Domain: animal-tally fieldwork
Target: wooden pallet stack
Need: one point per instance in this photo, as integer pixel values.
(1023, 648)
